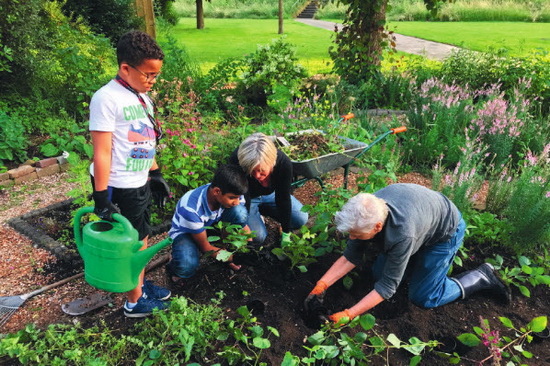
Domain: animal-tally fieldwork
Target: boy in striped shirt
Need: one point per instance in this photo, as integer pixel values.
(220, 200)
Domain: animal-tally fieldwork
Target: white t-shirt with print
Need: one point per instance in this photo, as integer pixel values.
(115, 109)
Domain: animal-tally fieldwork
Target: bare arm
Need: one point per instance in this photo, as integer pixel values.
(338, 270)
(102, 142)
(204, 246)
(372, 299)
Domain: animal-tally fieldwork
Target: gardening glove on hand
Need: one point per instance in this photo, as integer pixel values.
(285, 239)
(336, 317)
(104, 208)
(315, 297)
(159, 188)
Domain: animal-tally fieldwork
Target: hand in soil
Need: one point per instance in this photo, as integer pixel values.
(316, 314)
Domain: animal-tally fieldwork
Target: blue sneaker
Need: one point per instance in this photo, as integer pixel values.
(144, 307)
(151, 291)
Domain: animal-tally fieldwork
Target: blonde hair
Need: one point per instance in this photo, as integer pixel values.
(361, 213)
(257, 149)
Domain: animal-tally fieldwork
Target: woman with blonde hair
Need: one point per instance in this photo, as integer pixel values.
(269, 173)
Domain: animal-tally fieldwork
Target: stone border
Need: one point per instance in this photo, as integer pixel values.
(42, 240)
(32, 170)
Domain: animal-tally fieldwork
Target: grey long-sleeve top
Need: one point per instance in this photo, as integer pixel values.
(417, 217)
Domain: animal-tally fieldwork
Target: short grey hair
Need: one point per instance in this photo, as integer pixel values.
(257, 149)
(361, 213)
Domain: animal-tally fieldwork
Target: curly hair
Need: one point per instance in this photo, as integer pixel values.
(136, 46)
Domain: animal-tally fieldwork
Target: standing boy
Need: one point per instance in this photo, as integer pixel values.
(125, 133)
(220, 200)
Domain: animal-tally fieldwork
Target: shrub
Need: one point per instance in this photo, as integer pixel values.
(53, 59)
(13, 142)
(272, 65)
(438, 118)
(108, 17)
(528, 210)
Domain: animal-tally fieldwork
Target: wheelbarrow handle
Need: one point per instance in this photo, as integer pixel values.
(398, 130)
(347, 117)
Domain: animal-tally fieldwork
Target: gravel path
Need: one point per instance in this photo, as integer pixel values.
(417, 46)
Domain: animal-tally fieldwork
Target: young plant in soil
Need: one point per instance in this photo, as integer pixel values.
(501, 346)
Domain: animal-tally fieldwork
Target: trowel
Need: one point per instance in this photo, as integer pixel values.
(84, 305)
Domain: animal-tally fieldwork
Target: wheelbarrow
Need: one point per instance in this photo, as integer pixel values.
(304, 170)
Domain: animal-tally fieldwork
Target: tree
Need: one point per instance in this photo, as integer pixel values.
(281, 17)
(359, 44)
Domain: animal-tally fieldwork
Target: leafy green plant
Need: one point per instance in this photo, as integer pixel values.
(501, 346)
(12, 139)
(300, 250)
(62, 344)
(71, 139)
(485, 228)
(186, 331)
(185, 155)
(520, 276)
(250, 339)
(271, 65)
(232, 239)
(332, 344)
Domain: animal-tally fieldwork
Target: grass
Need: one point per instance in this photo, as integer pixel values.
(518, 38)
(224, 38)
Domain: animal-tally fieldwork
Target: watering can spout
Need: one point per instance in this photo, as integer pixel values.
(142, 257)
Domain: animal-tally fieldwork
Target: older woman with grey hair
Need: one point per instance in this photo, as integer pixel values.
(419, 231)
(269, 173)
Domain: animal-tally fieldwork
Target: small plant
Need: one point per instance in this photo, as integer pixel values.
(248, 333)
(485, 227)
(520, 276)
(332, 343)
(233, 239)
(498, 345)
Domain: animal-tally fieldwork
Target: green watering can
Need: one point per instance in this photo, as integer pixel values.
(111, 251)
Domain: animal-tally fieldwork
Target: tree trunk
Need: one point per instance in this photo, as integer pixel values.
(200, 14)
(281, 17)
(360, 42)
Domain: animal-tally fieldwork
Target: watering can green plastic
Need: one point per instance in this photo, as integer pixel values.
(111, 251)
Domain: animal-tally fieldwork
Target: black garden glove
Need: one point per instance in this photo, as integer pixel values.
(159, 188)
(103, 207)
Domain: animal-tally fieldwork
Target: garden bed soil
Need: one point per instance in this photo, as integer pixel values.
(270, 281)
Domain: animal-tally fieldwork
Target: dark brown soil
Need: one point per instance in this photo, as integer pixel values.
(282, 292)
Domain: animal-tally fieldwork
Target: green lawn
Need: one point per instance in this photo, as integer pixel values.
(518, 38)
(223, 38)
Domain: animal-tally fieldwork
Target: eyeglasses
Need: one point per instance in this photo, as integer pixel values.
(148, 77)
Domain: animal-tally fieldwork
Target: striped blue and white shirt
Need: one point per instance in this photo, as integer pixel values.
(193, 214)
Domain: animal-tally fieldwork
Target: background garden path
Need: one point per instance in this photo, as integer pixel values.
(417, 46)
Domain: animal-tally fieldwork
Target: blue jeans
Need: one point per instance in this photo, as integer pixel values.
(185, 252)
(265, 205)
(429, 286)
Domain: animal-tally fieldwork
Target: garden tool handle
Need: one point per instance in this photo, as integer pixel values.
(348, 116)
(398, 130)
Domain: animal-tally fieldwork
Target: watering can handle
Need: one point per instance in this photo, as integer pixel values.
(85, 210)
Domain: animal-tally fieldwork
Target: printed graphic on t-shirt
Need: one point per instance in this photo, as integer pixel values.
(141, 156)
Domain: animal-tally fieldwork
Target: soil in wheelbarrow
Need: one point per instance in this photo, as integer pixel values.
(269, 283)
(310, 145)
